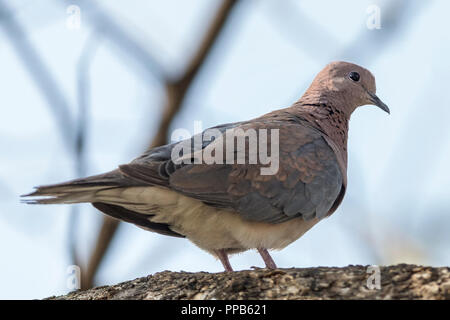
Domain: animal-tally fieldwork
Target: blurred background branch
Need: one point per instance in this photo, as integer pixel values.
(123, 40)
(41, 76)
(83, 85)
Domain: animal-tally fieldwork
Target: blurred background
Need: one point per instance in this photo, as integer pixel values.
(88, 85)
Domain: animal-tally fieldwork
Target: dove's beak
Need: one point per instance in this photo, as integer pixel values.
(376, 101)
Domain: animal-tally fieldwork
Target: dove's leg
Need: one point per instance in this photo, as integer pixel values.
(270, 264)
(223, 257)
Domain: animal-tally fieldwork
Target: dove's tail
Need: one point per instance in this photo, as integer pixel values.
(113, 193)
(75, 191)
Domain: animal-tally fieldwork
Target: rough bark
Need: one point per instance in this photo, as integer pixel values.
(396, 282)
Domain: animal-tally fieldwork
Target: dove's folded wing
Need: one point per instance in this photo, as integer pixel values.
(307, 184)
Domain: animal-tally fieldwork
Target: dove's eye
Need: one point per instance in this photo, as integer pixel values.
(354, 76)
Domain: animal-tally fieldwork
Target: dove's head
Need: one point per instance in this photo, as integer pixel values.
(347, 86)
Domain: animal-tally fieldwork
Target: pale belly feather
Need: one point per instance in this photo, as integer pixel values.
(208, 227)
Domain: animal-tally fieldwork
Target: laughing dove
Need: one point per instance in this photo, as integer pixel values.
(229, 197)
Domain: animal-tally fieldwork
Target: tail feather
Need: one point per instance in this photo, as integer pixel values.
(69, 196)
(74, 191)
(112, 193)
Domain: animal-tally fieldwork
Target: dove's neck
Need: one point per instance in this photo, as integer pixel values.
(326, 116)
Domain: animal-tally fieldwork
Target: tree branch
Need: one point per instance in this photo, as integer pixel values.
(352, 282)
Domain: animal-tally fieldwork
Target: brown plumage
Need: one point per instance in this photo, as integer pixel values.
(228, 207)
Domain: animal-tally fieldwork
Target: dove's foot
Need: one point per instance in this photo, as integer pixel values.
(270, 264)
(223, 257)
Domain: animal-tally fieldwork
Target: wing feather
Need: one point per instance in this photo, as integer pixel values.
(307, 183)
